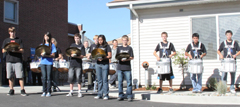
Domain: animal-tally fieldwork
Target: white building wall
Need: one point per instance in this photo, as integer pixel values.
(178, 26)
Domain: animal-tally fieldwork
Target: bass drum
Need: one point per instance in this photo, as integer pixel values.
(34, 67)
(63, 66)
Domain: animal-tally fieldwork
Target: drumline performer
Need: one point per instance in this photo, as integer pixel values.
(200, 52)
(75, 67)
(86, 46)
(14, 66)
(113, 78)
(58, 56)
(124, 69)
(234, 47)
(169, 48)
(46, 65)
(102, 68)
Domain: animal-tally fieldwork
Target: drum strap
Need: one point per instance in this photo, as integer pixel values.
(227, 46)
(199, 46)
(161, 47)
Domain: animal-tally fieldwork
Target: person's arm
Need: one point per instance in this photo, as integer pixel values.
(204, 51)
(219, 50)
(174, 51)
(155, 53)
(131, 55)
(187, 52)
(3, 44)
(237, 49)
(109, 54)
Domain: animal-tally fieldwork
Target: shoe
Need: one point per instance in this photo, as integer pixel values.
(69, 94)
(11, 92)
(48, 94)
(170, 90)
(120, 99)
(194, 91)
(129, 99)
(43, 94)
(23, 93)
(80, 95)
(105, 98)
(97, 97)
(233, 91)
(199, 91)
(159, 91)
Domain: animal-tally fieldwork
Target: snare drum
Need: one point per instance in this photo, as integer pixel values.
(34, 66)
(63, 66)
(55, 65)
(88, 67)
(112, 68)
(228, 65)
(195, 66)
(163, 66)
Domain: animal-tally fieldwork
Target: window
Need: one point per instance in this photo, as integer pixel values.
(206, 28)
(11, 11)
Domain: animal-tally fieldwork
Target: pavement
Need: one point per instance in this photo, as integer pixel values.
(180, 98)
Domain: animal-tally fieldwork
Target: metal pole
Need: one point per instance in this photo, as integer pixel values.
(146, 78)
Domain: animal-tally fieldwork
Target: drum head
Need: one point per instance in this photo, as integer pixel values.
(62, 70)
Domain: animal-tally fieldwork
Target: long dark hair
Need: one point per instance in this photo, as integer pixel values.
(49, 40)
(104, 41)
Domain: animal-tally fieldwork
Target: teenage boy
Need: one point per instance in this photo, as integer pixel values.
(76, 66)
(124, 69)
(231, 47)
(169, 47)
(197, 50)
(14, 65)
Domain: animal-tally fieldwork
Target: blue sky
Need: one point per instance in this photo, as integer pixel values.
(97, 18)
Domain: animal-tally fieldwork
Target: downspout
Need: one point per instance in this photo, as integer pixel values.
(138, 44)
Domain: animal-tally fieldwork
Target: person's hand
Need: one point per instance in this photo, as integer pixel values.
(170, 56)
(221, 56)
(190, 56)
(73, 55)
(43, 53)
(158, 59)
(100, 59)
(201, 56)
(4, 50)
(123, 59)
(234, 56)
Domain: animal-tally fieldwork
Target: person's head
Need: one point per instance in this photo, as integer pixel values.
(47, 37)
(164, 36)
(86, 44)
(229, 34)
(77, 38)
(195, 37)
(12, 32)
(102, 41)
(115, 42)
(95, 39)
(54, 41)
(125, 39)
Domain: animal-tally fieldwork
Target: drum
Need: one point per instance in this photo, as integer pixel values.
(55, 65)
(112, 68)
(195, 66)
(63, 66)
(228, 65)
(163, 66)
(88, 67)
(34, 66)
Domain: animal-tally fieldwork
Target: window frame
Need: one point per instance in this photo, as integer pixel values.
(217, 27)
(16, 21)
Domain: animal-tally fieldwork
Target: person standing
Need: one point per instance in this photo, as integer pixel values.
(46, 65)
(196, 49)
(231, 47)
(14, 66)
(113, 60)
(75, 68)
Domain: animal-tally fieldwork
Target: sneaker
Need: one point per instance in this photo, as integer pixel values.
(194, 91)
(233, 91)
(23, 93)
(105, 98)
(48, 94)
(69, 94)
(43, 94)
(97, 97)
(120, 99)
(199, 91)
(129, 99)
(170, 90)
(11, 92)
(80, 95)
(159, 91)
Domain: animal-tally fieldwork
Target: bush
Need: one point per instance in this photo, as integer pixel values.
(222, 87)
(154, 87)
(212, 83)
(147, 88)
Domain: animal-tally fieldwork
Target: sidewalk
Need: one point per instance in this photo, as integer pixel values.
(181, 97)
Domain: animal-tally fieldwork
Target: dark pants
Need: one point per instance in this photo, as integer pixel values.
(46, 77)
(38, 75)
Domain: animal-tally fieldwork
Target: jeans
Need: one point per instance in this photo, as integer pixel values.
(196, 82)
(74, 71)
(55, 77)
(113, 79)
(224, 78)
(102, 76)
(128, 76)
(46, 77)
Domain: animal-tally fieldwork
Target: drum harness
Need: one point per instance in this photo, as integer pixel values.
(196, 49)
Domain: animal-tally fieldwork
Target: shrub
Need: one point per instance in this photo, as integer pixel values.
(222, 87)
